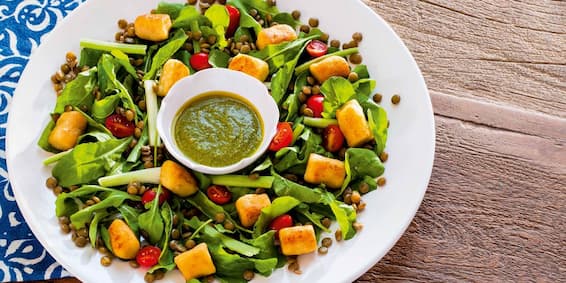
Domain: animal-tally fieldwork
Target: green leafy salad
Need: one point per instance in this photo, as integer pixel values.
(119, 191)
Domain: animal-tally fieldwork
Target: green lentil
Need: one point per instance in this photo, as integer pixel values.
(296, 14)
(356, 58)
(395, 99)
(381, 181)
(313, 22)
(357, 36)
(105, 261)
(377, 98)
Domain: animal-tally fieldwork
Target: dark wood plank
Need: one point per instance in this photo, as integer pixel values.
(495, 208)
(509, 52)
(488, 216)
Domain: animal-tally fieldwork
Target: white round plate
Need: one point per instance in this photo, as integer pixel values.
(389, 210)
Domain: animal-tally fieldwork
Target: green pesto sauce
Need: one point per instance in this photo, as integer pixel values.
(218, 129)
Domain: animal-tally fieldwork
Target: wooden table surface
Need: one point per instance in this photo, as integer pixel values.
(495, 209)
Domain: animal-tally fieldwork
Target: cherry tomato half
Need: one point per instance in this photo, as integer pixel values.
(148, 256)
(234, 14)
(283, 137)
(317, 48)
(199, 61)
(119, 126)
(280, 222)
(315, 104)
(332, 138)
(149, 195)
(219, 194)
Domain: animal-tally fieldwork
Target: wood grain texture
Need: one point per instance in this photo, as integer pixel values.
(495, 209)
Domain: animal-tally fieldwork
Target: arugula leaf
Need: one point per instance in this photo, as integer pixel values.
(89, 161)
(218, 15)
(281, 79)
(78, 92)
(89, 57)
(105, 238)
(93, 227)
(124, 60)
(130, 215)
(211, 236)
(166, 51)
(151, 221)
(345, 215)
(95, 136)
(287, 19)
(108, 81)
(231, 265)
(284, 187)
(313, 217)
(171, 9)
(277, 55)
(240, 31)
(377, 118)
(114, 199)
(187, 16)
(43, 141)
(337, 91)
(218, 59)
(261, 6)
(210, 209)
(135, 153)
(166, 257)
(361, 162)
(102, 108)
(66, 204)
(279, 206)
(265, 244)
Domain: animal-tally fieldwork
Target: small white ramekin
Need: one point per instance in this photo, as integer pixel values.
(217, 79)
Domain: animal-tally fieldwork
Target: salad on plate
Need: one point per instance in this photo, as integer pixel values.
(119, 191)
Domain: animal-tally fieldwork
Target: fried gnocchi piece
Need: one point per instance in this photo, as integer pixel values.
(297, 240)
(353, 123)
(153, 27)
(330, 67)
(173, 71)
(195, 262)
(67, 130)
(252, 66)
(177, 179)
(274, 35)
(249, 208)
(324, 170)
(125, 244)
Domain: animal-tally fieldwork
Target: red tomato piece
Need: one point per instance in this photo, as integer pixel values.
(119, 126)
(219, 194)
(148, 256)
(283, 137)
(280, 222)
(149, 195)
(332, 138)
(199, 61)
(234, 14)
(315, 104)
(317, 48)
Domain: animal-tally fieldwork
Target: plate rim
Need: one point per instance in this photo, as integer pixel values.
(362, 269)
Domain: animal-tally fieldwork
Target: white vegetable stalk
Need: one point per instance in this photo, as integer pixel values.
(144, 176)
(152, 108)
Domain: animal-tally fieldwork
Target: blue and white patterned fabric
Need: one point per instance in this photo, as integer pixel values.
(23, 24)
